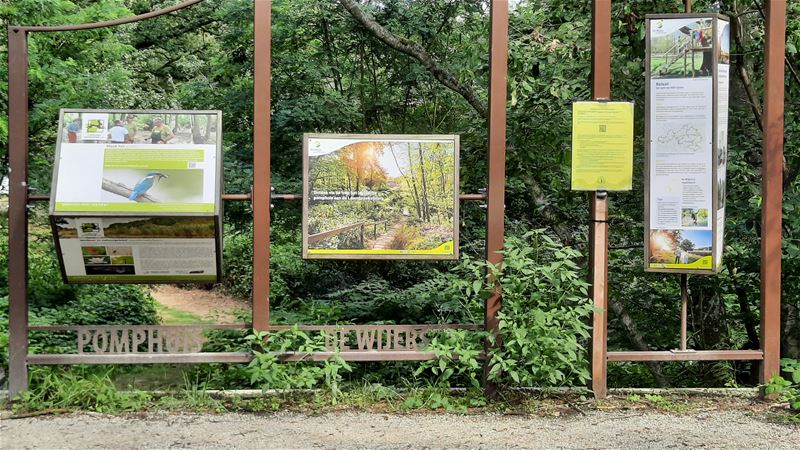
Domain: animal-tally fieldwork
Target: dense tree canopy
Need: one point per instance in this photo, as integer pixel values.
(402, 66)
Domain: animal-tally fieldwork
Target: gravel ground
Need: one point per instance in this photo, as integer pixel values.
(597, 429)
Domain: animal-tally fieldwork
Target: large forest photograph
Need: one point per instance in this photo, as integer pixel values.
(381, 196)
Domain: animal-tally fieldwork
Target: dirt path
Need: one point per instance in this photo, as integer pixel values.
(384, 242)
(208, 305)
(597, 429)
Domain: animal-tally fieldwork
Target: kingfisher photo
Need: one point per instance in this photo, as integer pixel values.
(152, 186)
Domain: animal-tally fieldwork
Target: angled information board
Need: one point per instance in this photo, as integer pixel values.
(136, 196)
(688, 59)
(380, 196)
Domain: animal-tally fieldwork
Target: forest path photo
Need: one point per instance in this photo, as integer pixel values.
(385, 241)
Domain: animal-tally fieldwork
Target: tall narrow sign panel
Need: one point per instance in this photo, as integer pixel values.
(686, 136)
(380, 196)
(136, 196)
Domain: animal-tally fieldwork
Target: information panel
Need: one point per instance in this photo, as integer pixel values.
(686, 138)
(380, 196)
(153, 162)
(136, 196)
(602, 146)
(137, 249)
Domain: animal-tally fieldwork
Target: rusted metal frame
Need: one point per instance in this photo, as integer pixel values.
(598, 205)
(356, 356)
(18, 185)
(17, 210)
(699, 355)
(111, 23)
(684, 308)
(772, 188)
(771, 217)
(215, 326)
(262, 84)
(495, 199)
(457, 326)
(140, 358)
(249, 197)
(230, 357)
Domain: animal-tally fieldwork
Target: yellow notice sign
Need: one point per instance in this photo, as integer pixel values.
(602, 146)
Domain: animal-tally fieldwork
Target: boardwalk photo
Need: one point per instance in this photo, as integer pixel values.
(373, 195)
(681, 48)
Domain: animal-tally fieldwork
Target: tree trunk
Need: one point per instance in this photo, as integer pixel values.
(197, 137)
(637, 340)
(414, 184)
(415, 51)
(426, 204)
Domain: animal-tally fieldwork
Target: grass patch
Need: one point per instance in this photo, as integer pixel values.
(172, 316)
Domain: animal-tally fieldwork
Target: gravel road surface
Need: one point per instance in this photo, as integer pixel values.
(597, 429)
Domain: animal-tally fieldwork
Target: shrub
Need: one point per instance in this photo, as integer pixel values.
(543, 322)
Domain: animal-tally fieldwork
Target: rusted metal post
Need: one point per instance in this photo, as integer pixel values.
(684, 308)
(598, 204)
(772, 188)
(262, 81)
(17, 210)
(495, 211)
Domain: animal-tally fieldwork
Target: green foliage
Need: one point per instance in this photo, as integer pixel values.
(86, 390)
(442, 398)
(787, 388)
(267, 372)
(457, 360)
(543, 324)
(51, 302)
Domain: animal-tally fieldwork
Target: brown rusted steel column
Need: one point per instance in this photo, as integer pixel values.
(495, 198)
(772, 188)
(684, 309)
(261, 167)
(17, 210)
(598, 205)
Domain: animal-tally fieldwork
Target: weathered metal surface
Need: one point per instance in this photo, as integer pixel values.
(699, 355)
(684, 308)
(598, 205)
(140, 339)
(18, 184)
(262, 83)
(383, 338)
(141, 358)
(495, 196)
(17, 209)
(356, 356)
(772, 188)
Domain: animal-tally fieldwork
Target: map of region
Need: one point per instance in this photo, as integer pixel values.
(686, 136)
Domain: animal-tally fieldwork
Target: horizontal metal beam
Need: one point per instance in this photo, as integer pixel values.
(455, 326)
(232, 357)
(361, 356)
(216, 326)
(699, 355)
(227, 197)
(141, 358)
(248, 197)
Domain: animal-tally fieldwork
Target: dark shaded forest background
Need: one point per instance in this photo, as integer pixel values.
(336, 72)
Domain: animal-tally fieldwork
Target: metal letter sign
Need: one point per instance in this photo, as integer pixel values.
(137, 196)
(688, 59)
